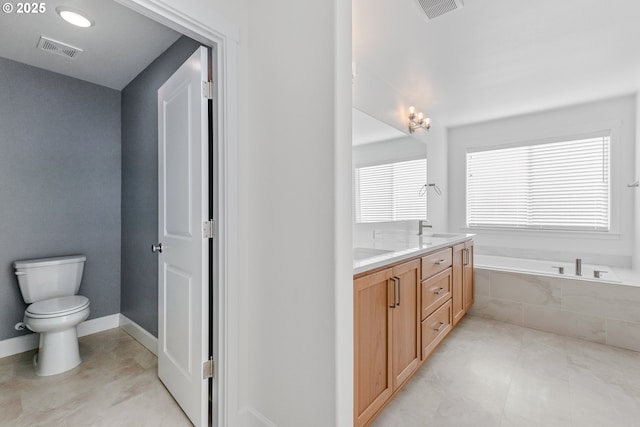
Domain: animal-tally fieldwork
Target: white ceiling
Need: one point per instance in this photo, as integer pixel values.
(498, 58)
(117, 48)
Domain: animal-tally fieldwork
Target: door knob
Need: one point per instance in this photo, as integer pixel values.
(156, 248)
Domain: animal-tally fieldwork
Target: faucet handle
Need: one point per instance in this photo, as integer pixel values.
(560, 268)
(598, 273)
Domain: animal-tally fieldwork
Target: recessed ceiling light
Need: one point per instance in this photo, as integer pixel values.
(74, 17)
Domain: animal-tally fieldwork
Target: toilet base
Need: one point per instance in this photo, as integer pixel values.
(58, 352)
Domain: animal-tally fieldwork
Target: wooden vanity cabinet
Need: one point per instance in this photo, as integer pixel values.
(435, 328)
(405, 332)
(401, 314)
(373, 378)
(462, 277)
(387, 332)
(467, 275)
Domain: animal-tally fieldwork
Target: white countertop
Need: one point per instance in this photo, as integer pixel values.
(391, 249)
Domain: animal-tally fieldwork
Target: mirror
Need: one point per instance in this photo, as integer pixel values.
(389, 174)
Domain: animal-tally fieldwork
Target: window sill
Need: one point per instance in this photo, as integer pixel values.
(596, 235)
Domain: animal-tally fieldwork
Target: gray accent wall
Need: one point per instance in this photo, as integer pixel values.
(60, 163)
(139, 293)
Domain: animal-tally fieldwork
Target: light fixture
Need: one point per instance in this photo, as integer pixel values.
(74, 17)
(417, 121)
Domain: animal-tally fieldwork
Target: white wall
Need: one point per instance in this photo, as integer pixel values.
(617, 247)
(298, 134)
(393, 150)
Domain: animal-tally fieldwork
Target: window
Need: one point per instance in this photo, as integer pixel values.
(549, 186)
(391, 191)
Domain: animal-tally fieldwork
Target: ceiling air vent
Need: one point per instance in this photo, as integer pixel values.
(435, 8)
(59, 48)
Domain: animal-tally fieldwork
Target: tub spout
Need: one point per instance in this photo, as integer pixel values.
(578, 267)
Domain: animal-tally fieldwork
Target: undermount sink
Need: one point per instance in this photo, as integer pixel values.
(442, 235)
(362, 253)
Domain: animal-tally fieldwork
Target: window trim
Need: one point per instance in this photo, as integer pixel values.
(611, 130)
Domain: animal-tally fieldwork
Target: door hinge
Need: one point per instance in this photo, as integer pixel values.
(207, 89)
(208, 369)
(209, 229)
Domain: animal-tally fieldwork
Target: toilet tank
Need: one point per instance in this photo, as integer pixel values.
(45, 278)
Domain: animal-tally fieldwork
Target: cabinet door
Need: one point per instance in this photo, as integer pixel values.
(457, 298)
(468, 275)
(373, 382)
(405, 321)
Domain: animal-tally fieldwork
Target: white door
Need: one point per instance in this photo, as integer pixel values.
(183, 315)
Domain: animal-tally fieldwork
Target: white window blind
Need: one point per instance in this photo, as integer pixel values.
(556, 186)
(391, 191)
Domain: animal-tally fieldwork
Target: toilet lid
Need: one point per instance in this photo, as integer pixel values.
(56, 307)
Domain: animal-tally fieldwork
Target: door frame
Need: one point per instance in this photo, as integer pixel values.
(222, 36)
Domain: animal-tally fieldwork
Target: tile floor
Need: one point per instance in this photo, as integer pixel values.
(116, 385)
(493, 374)
(486, 373)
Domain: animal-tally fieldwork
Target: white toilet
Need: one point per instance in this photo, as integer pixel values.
(50, 286)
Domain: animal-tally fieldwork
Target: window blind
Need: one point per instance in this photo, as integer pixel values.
(556, 186)
(391, 191)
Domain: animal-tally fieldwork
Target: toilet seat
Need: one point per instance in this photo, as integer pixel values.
(57, 307)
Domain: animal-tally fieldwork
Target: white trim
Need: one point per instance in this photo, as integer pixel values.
(224, 35)
(140, 334)
(92, 326)
(18, 345)
(173, 18)
(23, 343)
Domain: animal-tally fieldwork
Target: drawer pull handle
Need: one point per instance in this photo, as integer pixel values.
(436, 290)
(439, 328)
(442, 261)
(396, 291)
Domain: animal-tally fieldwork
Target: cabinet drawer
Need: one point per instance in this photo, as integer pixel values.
(436, 290)
(435, 328)
(436, 262)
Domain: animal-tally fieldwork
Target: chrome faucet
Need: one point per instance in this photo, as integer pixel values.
(578, 267)
(423, 224)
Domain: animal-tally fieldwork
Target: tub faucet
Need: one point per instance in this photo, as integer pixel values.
(597, 274)
(422, 224)
(578, 267)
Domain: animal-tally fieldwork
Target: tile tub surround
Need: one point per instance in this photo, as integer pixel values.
(605, 313)
(494, 374)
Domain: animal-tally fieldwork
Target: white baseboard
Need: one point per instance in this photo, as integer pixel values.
(23, 343)
(100, 324)
(139, 334)
(20, 344)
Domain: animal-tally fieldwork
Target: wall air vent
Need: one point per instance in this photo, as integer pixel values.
(59, 48)
(435, 8)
